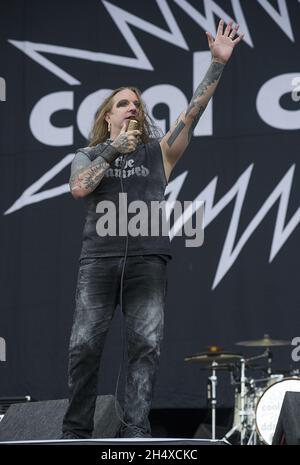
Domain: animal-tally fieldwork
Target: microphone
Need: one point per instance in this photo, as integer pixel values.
(132, 125)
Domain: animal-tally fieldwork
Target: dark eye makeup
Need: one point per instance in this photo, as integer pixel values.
(123, 103)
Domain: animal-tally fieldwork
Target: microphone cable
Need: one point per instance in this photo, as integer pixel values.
(133, 124)
(121, 298)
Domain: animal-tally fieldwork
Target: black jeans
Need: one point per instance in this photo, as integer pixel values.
(97, 295)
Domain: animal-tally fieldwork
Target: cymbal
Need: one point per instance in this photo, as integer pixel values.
(223, 367)
(210, 357)
(266, 341)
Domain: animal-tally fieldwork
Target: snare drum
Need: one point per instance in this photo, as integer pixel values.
(269, 405)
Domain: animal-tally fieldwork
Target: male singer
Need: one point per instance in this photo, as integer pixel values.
(135, 162)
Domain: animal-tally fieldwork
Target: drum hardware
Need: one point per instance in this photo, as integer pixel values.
(251, 394)
(273, 378)
(212, 360)
(265, 354)
(244, 419)
(212, 395)
(207, 358)
(266, 341)
(237, 425)
(252, 419)
(213, 400)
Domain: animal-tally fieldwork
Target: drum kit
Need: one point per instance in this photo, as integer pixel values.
(258, 400)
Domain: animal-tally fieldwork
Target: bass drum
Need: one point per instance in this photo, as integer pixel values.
(269, 405)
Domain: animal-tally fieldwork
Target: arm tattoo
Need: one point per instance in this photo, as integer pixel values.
(86, 175)
(199, 101)
(91, 177)
(195, 121)
(178, 128)
(203, 94)
(212, 76)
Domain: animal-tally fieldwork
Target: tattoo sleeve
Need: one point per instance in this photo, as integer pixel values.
(178, 128)
(86, 175)
(199, 101)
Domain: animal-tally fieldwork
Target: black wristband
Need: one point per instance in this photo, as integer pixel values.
(109, 153)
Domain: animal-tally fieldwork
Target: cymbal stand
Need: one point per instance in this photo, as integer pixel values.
(251, 424)
(246, 425)
(267, 353)
(241, 427)
(243, 394)
(270, 358)
(213, 399)
(230, 432)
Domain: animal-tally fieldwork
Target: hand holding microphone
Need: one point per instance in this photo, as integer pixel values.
(128, 139)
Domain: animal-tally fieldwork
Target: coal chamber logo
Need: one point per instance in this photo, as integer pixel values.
(268, 108)
(2, 90)
(2, 350)
(270, 93)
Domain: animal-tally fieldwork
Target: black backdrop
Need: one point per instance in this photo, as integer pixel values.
(243, 282)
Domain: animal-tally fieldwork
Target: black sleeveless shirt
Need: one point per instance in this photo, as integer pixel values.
(143, 178)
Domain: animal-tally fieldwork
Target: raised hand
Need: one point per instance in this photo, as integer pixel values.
(126, 141)
(222, 47)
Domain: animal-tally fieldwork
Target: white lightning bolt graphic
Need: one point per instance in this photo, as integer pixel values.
(238, 191)
(121, 18)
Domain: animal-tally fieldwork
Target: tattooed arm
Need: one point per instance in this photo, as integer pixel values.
(178, 137)
(86, 175)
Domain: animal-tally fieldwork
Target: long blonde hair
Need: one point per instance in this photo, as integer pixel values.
(100, 133)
